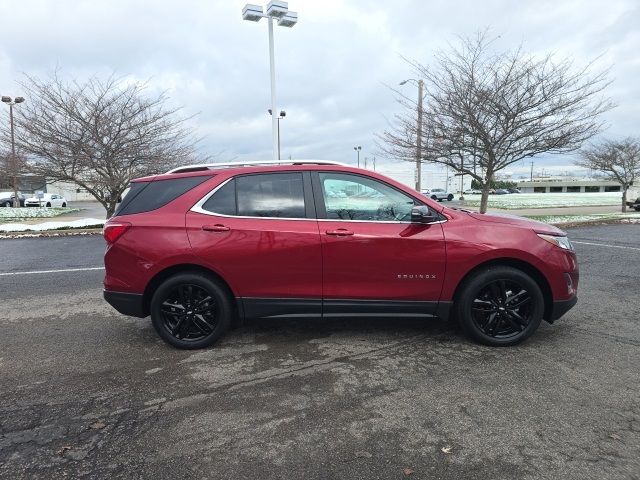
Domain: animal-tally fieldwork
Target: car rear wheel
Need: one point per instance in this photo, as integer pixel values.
(500, 306)
(64, 205)
(48, 204)
(191, 310)
(450, 197)
(6, 204)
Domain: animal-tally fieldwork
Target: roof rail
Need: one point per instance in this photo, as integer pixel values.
(211, 166)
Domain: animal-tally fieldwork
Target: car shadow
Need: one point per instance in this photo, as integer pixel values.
(305, 328)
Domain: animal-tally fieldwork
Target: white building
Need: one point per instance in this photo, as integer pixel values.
(564, 185)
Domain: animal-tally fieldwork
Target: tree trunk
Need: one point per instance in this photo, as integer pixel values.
(624, 199)
(111, 208)
(486, 186)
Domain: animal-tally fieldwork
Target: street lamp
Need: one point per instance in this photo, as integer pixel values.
(14, 160)
(276, 10)
(420, 84)
(280, 117)
(357, 149)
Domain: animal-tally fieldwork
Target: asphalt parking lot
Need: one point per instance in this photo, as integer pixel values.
(88, 393)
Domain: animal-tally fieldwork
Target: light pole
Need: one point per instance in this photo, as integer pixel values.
(357, 149)
(14, 160)
(279, 11)
(280, 117)
(420, 84)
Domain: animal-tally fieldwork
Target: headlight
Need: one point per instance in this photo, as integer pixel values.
(562, 242)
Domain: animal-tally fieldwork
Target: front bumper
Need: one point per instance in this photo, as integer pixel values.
(131, 304)
(561, 307)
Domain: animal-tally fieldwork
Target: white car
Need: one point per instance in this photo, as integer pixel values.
(472, 191)
(438, 194)
(49, 200)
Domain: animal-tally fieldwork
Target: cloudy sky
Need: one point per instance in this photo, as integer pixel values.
(332, 68)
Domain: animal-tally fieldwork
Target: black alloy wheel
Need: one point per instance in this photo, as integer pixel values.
(190, 311)
(502, 309)
(500, 306)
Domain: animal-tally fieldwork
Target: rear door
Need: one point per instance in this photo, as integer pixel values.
(374, 259)
(260, 233)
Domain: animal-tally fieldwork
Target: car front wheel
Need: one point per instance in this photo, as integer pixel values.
(499, 306)
(6, 204)
(191, 310)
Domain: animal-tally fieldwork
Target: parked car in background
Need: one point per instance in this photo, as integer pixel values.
(472, 191)
(438, 194)
(513, 190)
(49, 200)
(502, 191)
(633, 198)
(202, 245)
(6, 199)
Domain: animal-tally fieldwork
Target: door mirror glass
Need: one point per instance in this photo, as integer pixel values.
(422, 214)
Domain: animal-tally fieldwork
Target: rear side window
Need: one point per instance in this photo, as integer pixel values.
(278, 195)
(223, 201)
(147, 196)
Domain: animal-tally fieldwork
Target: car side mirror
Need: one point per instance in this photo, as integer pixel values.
(422, 214)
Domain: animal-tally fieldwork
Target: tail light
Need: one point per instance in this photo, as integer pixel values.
(113, 231)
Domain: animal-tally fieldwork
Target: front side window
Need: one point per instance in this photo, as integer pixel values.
(354, 197)
(277, 195)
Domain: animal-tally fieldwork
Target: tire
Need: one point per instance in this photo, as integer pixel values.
(48, 204)
(6, 204)
(493, 291)
(450, 197)
(180, 293)
(637, 209)
(64, 205)
(434, 197)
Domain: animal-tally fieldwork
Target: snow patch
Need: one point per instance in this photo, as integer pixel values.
(39, 227)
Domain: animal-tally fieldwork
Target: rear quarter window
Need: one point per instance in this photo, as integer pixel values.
(148, 196)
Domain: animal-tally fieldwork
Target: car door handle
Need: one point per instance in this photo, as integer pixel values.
(215, 228)
(340, 232)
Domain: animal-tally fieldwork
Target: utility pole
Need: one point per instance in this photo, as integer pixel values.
(419, 139)
(531, 179)
(358, 149)
(419, 131)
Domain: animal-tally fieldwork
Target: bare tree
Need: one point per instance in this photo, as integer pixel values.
(485, 110)
(99, 134)
(618, 160)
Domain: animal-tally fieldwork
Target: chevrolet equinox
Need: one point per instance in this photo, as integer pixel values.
(202, 245)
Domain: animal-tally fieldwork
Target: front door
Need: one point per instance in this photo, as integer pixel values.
(259, 232)
(374, 259)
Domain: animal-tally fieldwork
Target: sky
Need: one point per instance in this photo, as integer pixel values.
(334, 69)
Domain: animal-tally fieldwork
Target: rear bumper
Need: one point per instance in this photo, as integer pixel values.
(126, 303)
(561, 307)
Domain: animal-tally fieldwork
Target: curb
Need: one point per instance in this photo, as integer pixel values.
(589, 223)
(51, 233)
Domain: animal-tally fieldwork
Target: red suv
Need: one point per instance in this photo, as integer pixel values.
(203, 245)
